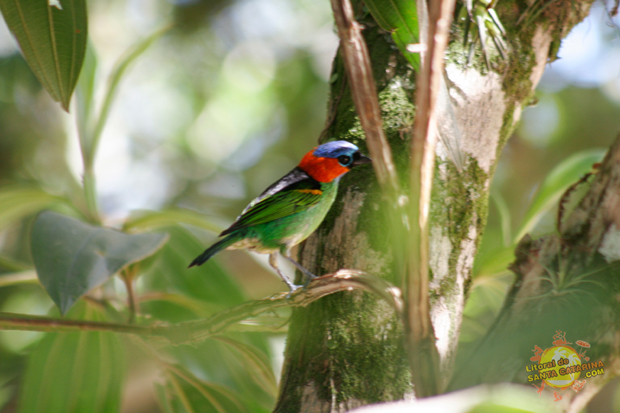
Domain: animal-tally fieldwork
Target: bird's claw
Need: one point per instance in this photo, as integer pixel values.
(293, 288)
(309, 279)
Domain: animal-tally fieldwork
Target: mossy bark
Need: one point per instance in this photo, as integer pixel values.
(347, 349)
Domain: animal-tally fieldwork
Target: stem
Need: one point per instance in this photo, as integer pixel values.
(10, 321)
(22, 277)
(419, 334)
(90, 191)
(131, 295)
(195, 331)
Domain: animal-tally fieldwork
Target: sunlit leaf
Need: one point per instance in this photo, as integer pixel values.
(72, 257)
(150, 220)
(399, 17)
(52, 37)
(494, 262)
(18, 202)
(85, 93)
(198, 307)
(554, 185)
(504, 217)
(75, 372)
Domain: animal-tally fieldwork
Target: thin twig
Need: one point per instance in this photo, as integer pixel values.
(419, 329)
(195, 331)
(343, 280)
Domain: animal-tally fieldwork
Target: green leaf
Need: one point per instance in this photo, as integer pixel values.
(72, 257)
(401, 18)
(52, 39)
(257, 363)
(218, 360)
(555, 184)
(150, 220)
(209, 283)
(75, 372)
(199, 308)
(495, 262)
(186, 393)
(18, 202)
(504, 217)
(85, 93)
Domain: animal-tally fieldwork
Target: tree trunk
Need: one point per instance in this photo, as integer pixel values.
(347, 350)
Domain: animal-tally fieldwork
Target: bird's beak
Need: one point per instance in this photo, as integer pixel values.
(360, 161)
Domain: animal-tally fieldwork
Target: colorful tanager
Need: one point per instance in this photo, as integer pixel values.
(291, 209)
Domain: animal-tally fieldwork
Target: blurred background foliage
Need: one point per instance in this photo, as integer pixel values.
(219, 107)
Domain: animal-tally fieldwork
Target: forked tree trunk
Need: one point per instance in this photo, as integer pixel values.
(347, 350)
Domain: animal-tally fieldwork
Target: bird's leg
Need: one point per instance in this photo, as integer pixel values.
(287, 254)
(274, 264)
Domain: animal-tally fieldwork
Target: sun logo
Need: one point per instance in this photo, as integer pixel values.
(560, 366)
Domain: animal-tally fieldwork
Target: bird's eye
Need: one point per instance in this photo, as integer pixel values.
(344, 160)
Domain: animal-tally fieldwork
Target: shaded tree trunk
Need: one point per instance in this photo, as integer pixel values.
(347, 350)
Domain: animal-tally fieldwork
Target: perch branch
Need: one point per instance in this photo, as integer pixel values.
(195, 331)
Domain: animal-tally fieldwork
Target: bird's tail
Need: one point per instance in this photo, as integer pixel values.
(214, 249)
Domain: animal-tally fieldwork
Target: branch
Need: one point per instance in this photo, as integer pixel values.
(364, 92)
(195, 331)
(343, 280)
(420, 336)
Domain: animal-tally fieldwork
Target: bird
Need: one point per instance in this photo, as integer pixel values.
(291, 209)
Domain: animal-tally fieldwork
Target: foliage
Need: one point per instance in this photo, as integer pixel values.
(83, 253)
(75, 254)
(52, 38)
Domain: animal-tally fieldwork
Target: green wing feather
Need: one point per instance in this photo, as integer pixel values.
(276, 206)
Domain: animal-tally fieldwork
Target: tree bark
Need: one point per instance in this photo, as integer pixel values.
(347, 350)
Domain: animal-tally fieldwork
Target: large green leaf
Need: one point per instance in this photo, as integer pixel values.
(149, 220)
(72, 257)
(401, 18)
(555, 184)
(52, 36)
(75, 372)
(209, 283)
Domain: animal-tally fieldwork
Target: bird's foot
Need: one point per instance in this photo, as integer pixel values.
(309, 279)
(293, 288)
